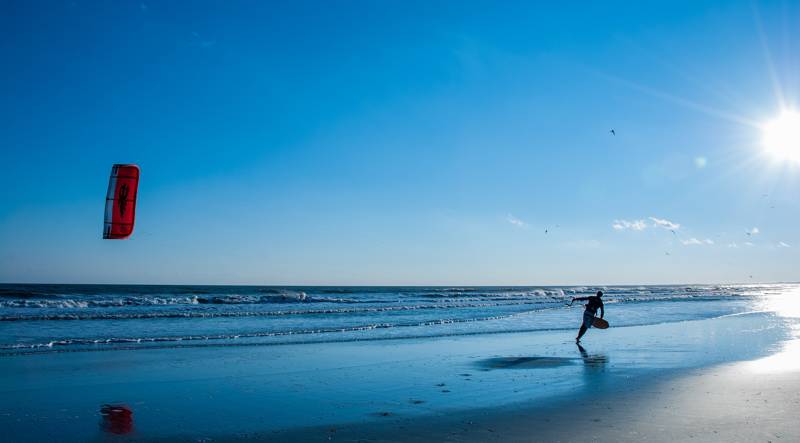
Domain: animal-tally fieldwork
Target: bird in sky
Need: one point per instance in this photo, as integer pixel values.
(613, 132)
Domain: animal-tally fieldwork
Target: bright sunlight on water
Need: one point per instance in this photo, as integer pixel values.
(787, 306)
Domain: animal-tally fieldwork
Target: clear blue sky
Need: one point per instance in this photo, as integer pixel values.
(399, 142)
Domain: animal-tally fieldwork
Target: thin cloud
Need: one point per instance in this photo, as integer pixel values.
(694, 241)
(663, 223)
(635, 225)
(783, 245)
(733, 245)
(515, 221)
(754, 231)
(747, 243)
(641, 224)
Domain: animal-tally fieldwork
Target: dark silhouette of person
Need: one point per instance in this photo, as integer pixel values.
(594, 302)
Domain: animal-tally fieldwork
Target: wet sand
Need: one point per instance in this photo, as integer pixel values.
(721, 404)
(667, 382)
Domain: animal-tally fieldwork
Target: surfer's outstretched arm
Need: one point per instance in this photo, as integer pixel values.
(580, 298)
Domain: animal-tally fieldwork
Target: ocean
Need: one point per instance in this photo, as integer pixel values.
(38, 318)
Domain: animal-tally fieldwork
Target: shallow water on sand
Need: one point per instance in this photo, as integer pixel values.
(206, 392)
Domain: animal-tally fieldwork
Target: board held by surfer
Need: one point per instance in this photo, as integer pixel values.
(590, 319)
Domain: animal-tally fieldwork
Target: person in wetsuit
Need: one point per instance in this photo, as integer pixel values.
(595, 302)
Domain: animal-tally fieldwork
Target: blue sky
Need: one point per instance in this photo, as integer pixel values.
(399, 142)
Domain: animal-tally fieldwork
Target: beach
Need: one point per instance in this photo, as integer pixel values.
(372, 221)
(723, 404)
(672, 380)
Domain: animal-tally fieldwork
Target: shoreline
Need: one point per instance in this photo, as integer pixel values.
(398, 390)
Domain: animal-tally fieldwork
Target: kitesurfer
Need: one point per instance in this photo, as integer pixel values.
(594, 302)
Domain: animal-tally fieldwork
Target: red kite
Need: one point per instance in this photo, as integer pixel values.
(121, 202)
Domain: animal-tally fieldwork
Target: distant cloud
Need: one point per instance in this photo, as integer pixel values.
(747, 243)
(636, 225)
(754, 231)
(515, 221)
(663, 223)
(733, 245)
(641, 225)
(694, 241)
(783, 245)
(143, 7)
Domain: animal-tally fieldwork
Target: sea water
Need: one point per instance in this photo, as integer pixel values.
(206, 363)
(60, 318)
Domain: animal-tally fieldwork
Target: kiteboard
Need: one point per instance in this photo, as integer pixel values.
(599, 323)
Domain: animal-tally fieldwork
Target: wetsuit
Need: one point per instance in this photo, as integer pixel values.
(594, 303)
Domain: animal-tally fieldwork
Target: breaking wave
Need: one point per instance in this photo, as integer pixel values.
(128, 316)
(187, 338)
(227, 314)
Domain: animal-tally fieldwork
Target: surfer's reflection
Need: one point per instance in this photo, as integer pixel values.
(593, 363)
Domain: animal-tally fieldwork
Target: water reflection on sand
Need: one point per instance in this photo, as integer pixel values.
(786, 308)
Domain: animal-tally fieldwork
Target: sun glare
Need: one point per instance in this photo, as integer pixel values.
(782, 136)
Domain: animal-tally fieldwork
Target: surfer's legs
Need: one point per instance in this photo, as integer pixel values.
(588, 318)
(581, 332)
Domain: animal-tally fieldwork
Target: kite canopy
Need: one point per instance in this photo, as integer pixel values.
(121, 202)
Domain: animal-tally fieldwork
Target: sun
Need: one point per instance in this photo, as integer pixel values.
(782, 136)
